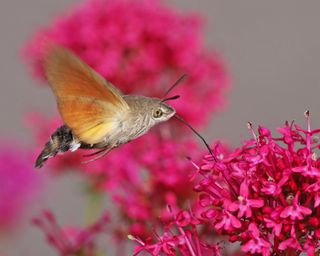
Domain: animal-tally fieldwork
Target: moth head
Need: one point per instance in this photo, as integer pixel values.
(161, 112)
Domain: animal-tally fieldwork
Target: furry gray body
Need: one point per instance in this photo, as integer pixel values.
(139, 119)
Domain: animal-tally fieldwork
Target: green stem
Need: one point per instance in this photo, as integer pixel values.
(94, 205)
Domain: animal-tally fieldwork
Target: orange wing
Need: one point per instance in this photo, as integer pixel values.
(88, 104)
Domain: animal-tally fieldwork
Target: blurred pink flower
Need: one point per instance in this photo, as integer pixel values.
(256, 244)
(147, 180)
(18, 184)
(142, 47)
(180, 236)
(265, 194)
(71, 240)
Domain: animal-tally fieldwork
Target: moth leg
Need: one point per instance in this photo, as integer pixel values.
(95, 153)
(104, 152)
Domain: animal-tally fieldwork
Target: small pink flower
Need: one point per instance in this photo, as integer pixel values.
(295, 211)
(180, 237)
(244, 204)
(272, 188)
(228, 222)
(307, 170)
(257, 244)
(291, 243)
(310, 246)
(315, 189)
(275, 225)
(71, 240)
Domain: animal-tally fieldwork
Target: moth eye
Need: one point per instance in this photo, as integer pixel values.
(158, 113)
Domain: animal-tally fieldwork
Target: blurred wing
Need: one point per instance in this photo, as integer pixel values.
(88, 104)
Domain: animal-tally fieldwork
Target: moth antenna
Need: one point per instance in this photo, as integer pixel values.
(198, 134)
(171, 98)
(175, 84)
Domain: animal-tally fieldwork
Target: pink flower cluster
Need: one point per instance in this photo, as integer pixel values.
(71, 241)
(18, 185)
(186, 241)
(266, 194)
(143, 195)
(142, 47)
(142, 189)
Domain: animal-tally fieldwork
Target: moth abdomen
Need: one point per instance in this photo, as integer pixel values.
(61, 141)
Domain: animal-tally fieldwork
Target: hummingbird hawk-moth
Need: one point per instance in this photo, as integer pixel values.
(96, 114)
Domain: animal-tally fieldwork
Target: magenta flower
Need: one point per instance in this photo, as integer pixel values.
(19, 185)
(276, 225)
(307, 170)
(244, 204)
(291, 243)
(295, 211)
(315, 188)
(310, 246)
(257, 244)
(186, 241)
(266, 194)
(228, 222)
(71, 240)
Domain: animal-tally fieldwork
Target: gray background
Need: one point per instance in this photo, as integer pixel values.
(271, 49)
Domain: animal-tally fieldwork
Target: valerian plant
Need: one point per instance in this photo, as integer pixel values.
(265, 194)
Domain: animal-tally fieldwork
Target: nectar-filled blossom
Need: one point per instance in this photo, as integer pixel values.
(265, 194)
(19, 185)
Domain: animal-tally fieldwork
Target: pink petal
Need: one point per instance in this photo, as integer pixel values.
(305, 210)
(254, 229)
(234, 206)
(256, 203)
(235, 222)
(244, 190)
